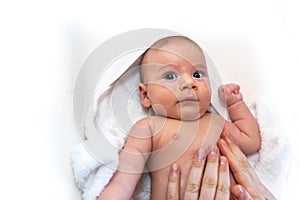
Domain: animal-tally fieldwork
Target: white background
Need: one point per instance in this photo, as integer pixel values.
(44, 43)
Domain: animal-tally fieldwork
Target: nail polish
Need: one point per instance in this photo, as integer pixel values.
(175, 168)
(200, 154)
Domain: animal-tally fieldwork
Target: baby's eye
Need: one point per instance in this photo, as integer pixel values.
(197, 75)
(170, 76)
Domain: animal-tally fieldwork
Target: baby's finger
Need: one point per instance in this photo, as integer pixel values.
(221, 92)
(235, 88)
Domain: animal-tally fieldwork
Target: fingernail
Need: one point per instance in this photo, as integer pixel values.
(175, 168)
(214, 150)
(223, 160)
(239, 192)
(200, 154)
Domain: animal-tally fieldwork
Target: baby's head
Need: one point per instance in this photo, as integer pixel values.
(174, 79)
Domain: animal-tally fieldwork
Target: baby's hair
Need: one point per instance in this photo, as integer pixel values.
(163, 42)
(166, 40)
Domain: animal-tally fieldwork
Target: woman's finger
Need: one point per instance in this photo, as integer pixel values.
(242, 171)
(174, 183)
(193, 183)
(238, 162)
(239, 193)
(210, 177)
(223, 180)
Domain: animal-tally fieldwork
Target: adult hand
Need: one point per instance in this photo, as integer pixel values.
(249, 186)
(208, 178)
(215, 180)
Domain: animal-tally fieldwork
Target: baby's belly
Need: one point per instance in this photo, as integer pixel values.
(189, 137)
(159, 178)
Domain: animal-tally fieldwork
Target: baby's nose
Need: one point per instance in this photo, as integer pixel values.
(188, 82)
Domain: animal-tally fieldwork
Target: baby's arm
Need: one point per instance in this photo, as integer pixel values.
(244, 128)
(132, 158)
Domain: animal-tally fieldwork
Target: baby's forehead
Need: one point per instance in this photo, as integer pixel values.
(161, 60)
(175, 44)
(172, 49)
(174, 54)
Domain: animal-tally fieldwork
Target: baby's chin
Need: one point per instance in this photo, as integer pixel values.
(190, 116)
(186, 113)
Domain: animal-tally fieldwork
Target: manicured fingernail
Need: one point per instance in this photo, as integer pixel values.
(175, 168)
(214, 150)
(200, 154)
(239, 192)
(223, 160)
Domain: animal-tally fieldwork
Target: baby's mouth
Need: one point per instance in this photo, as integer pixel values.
(188, 99)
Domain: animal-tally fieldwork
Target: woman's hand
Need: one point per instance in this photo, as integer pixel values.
(249, 186)
(208, 178)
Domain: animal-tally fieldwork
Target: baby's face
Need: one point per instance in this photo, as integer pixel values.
(176, 81)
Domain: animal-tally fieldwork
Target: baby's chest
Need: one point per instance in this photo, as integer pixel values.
(187, 136)
(180, 135)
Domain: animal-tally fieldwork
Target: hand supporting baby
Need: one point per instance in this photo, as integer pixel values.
(209, 176)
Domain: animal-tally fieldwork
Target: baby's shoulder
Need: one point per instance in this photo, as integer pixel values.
(146, 121)
(151, 122)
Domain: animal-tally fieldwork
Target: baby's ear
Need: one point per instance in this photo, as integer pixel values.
(144, 97)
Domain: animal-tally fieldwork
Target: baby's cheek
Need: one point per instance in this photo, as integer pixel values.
(159, 110)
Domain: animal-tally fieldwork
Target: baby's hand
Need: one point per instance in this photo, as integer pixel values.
(230, 93)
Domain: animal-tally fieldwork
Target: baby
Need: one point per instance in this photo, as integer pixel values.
(175, 85)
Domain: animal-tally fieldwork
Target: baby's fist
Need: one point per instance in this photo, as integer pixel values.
(230, 93)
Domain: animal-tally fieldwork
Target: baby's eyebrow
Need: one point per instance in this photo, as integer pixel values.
(165, 67)
(200, 66)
